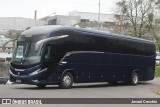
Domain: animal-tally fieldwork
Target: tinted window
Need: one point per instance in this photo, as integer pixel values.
(50, 52)
(65, 44)
(83, 42)
(113, 45)
(127, 47)
(99, 44)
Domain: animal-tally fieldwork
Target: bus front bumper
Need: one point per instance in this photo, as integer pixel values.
(31, 78)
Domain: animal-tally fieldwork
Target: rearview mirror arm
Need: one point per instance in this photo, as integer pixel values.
(5, 43)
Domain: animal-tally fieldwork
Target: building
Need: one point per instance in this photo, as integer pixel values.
(93, 17)
(61, 20)
(18, 23)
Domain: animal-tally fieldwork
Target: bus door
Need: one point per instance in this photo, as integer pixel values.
(49, 61)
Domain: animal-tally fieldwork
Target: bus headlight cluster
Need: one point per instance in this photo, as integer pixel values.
(34, 73)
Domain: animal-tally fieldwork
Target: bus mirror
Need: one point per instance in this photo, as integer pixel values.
(5, 43)
(41, 42)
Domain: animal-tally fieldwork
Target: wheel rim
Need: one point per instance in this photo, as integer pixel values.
(66, 80)
(135, 79)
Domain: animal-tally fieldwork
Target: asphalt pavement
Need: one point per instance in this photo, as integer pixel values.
(87, 90)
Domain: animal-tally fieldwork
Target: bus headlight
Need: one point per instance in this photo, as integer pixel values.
(34, 73)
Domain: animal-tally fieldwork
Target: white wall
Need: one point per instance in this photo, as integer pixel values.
(67, 20)
(18, 23)
(94, 16)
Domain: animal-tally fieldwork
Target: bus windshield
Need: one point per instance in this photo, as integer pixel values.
(24, 53)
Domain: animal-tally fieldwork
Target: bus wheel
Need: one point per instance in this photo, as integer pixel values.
(66, 81)
(41, 86)
(135, 78)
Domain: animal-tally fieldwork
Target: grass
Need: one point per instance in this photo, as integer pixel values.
(157, 74)
(158, 92)
(157, 71)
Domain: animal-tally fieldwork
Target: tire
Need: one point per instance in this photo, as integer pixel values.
(66, 81)
(135, 79)
(41, 86)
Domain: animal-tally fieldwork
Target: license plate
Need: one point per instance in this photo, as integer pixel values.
(18, 81)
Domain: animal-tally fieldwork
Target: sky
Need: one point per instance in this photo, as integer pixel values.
(26, 8)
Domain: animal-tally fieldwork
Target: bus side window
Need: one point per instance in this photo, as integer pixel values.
(112, 46)
(50, 53)
(65, 45)
(98, 44)
(47, 55)
(83, 42)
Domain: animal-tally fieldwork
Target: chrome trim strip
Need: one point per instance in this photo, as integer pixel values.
(19, 70)
(64, 62)
(75, 52)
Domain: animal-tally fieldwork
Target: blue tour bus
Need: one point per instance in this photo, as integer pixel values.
(62, 55)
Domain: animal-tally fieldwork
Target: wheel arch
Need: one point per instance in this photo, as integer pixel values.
(133, 81)
(70, 71)
(140, 74)
(136, 71)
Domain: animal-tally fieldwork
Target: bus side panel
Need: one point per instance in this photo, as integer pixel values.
(106, 67)
(143, 65)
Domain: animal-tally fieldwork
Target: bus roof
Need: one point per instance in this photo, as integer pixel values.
(47, 30)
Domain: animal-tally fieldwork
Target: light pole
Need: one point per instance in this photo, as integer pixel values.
(35, 17)
(99, 13)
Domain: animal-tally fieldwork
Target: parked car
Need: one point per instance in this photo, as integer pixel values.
(157, 60)
(3, 80)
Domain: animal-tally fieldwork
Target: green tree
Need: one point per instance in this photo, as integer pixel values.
(137, 12)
